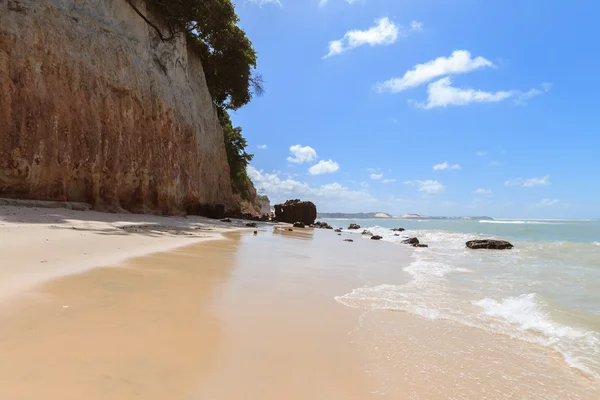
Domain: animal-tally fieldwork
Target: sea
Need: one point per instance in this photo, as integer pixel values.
(546, 290)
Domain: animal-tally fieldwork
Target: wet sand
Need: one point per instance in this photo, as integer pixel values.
(254, 317)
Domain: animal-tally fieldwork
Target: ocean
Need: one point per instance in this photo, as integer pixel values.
(546, 290)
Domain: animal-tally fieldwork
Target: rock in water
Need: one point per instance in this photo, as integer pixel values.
(299, 225)
(420, 245)
(366, 232)
(398, 229)
(489, 244)
(354, 226)
(348, 240)
(296, 211)
(411, 241)
(376, 237)
(338, 230)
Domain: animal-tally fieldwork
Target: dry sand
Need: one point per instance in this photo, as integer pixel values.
(254, 317)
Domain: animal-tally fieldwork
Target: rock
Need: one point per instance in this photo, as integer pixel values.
(398, 229)
(376, 237)
(226, 220)
(419, 245)
(145, 136)
(299, 225)
(366, 232)
(353, 226)
(348, 240)
(290, 230)
(251, 225)
(339, 234)
(296, 211)
(322, 225)
(255, 233)
(489, 244)
(396, 234)
(338, 230)
(411, 241)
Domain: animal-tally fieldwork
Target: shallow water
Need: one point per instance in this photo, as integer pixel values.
(546, 290)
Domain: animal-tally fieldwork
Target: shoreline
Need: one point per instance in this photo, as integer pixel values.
(42, 244)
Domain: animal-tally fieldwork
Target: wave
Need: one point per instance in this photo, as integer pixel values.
(519, 222)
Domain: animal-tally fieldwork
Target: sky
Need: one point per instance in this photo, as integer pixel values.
(435, 107)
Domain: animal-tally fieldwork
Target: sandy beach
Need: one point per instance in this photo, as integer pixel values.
(101, 312)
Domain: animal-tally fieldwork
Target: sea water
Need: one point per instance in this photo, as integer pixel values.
(546, 290)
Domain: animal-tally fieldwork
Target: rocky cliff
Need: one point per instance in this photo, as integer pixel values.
(95, 108)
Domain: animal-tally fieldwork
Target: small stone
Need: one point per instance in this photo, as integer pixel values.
(376, 237)
(348, 240)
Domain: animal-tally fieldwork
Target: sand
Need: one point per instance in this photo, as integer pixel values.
(255, 317)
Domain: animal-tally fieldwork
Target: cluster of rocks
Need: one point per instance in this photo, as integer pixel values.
(353, 227)
(322, 225)
(414, 242)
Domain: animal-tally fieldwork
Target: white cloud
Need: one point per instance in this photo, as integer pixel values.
(263, 2)
(460, 62)
(388, 181)
(428, 186)
(548, 202)
(443, 166)
(531, 182)
(364, 184)
(483, 191)
(324, 167)
(481, 153)
(333, 195)
(442, 94)
(524, 96)
(302, 154)
(385, 32)
(262, 146)
(376, 177)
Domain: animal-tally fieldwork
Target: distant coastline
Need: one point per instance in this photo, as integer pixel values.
(375, 215)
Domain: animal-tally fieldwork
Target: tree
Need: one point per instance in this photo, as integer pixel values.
(228, 57)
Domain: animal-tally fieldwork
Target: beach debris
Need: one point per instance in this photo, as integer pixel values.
(489, 244)
(295, 210)
(226, 220)
(420, 245)
(348, 240)
(338, 230)
(353, 227)
(299, 225)
(376, 237)
(251, 225)
(398, 229)
(366, 232)
(411, 241)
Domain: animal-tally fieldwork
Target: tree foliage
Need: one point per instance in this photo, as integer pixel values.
(228, 57)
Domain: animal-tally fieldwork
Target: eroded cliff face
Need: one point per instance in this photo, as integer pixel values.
(95, 108)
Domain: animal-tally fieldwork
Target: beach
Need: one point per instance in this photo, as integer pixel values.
(190, 308)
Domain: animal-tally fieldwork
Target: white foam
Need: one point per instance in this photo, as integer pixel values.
(519, 222)
(524, 312)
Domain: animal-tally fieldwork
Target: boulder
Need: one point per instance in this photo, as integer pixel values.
(296, 211)
(398, 229)
(348, 240)
(411, 241)
(338, 230)
(251, 225)
(376, 237)
(299, 225)
(489, 244)
(420, 245)
(354, 226)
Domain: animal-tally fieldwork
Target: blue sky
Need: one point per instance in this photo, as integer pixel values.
(459, 107)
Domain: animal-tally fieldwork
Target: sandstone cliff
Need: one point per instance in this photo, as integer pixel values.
(95, 108)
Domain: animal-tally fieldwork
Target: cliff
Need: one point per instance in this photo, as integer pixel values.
(95, 108)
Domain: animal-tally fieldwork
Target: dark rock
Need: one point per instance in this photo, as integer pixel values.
(322, 225)
(296, 211)
(366, 232)
(376, 237)
(338, 230)
(398, 229)
(290, 230)
(251, 224)
(226, 220)
(299, 225)
(420, 245)
(348, 240)
(489, 244)
(339, 234)
(256, 232)
(411, 241)
(396, 234)
(354, 226)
